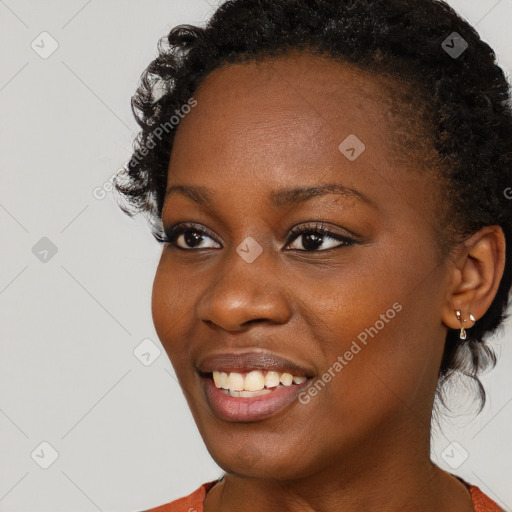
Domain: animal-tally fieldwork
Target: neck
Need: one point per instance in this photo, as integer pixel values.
(398, 476)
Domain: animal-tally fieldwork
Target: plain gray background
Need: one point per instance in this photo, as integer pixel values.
(76, 276)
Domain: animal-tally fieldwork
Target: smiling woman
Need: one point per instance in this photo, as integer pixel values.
(333, 211)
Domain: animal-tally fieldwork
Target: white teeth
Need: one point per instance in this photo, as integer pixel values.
(253, 383)
(271, 379)
(220, 379)
(248, 394)
(236, 381)
(286, 379)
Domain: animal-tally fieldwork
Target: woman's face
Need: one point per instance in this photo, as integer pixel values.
(358, 308)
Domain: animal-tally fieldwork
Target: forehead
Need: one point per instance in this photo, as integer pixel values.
(303, 103)
(279, 122)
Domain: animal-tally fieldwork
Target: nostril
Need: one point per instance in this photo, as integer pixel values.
(254, 320)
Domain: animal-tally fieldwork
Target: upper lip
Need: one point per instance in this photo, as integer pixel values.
(247, 361)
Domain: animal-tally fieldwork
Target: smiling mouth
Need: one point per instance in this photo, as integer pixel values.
(253, 383)
(249, 394)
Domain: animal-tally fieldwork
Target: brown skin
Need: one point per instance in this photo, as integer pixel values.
(361, 444)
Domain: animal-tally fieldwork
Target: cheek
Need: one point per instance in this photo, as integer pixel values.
(379, 315)
(161, 301)
(168, 301)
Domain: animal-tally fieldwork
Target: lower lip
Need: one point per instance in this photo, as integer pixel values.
(230, 408)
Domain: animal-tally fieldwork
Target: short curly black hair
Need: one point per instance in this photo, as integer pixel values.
(467, 97)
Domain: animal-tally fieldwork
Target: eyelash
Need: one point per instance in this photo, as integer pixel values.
(318, 228)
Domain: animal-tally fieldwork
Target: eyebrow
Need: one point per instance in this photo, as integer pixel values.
(278, 198)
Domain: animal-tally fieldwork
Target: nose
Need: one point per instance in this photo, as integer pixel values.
(245, 293)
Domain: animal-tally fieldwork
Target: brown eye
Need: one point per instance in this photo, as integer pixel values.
(187, 237)
(312, 237)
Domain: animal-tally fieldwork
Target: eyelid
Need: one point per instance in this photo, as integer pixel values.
(324, 227)
(296, 231)
(181, 227)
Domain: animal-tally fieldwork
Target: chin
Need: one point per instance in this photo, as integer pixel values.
(251, 460)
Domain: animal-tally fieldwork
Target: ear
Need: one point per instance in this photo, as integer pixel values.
(476, 274)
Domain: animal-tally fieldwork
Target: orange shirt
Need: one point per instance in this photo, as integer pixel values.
(194, 501)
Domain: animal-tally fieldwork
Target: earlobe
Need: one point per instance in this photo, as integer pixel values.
(476, 278)
(463, 322)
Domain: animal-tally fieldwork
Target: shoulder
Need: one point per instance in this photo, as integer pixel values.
(482, 502)
(191, 503)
